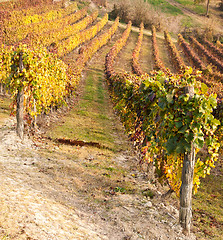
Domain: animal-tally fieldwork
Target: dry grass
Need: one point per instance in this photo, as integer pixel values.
(208, 208)
(123, 61)
(145, 57)
(164, 55)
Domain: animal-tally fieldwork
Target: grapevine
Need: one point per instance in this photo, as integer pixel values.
(73, 41)
(211, 78)
(44, 82)
(43, 28)
(56, 35)
(154, 109)
(5, 63)
(176, 58)
(159, 117)
(216, 51)
(158, 63)
(21, 18)
(190, 54)
(205, 53)
(135, 55)
(29, 6)
(93, 47)
(219, 45)
(117, 47)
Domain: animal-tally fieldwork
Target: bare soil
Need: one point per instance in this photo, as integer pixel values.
(51, 191)
(146, 56)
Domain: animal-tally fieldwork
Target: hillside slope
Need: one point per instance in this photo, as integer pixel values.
(56, 191)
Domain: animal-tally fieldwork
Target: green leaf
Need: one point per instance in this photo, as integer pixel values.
(162, 105)
(184, 97)
(215, 123)
(202, 109)
(200, 144)
(183, 129)
(178, 124)
(213, 101)
(171, 144)
(169, 98)
(189, 136)
(180, 148)
(199, 140)
(204, 87)
(197, 115)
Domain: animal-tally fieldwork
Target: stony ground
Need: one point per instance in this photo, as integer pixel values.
(46, 194)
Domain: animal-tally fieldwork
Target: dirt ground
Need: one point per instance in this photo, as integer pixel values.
(48, 194)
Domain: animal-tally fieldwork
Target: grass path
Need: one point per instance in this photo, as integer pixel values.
(123, 61)
(146, 56)
(208, 206)
(164, 55)
(91, 120)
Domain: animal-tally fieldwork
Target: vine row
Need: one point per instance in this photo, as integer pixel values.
(219, 45)
(136, 68)
(205, 53)
(216, 51)
(75, 40)
(215, 87)
(48, 82)
(176, 58)
(190, 53)
(45, 83)
(163, 122)
(117, 47)
(158, 63)
(23, 18)
(94, 46)
(49, 37)
(45, 29)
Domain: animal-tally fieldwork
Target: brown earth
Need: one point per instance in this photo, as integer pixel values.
(47, 193)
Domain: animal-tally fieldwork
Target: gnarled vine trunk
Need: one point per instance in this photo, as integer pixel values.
(187, 181)
(20, 105)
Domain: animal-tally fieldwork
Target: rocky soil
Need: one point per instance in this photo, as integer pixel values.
(48, 195)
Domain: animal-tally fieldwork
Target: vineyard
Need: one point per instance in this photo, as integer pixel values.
(167, 92)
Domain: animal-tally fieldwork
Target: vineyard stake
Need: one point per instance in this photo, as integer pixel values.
(1, 88)
(20, 104)
(34, 109)
(185, 215)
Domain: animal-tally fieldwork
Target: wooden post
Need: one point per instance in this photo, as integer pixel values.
(34, 109)
(207, 8)
(1, 88)
(185, 215)
(20, 104)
